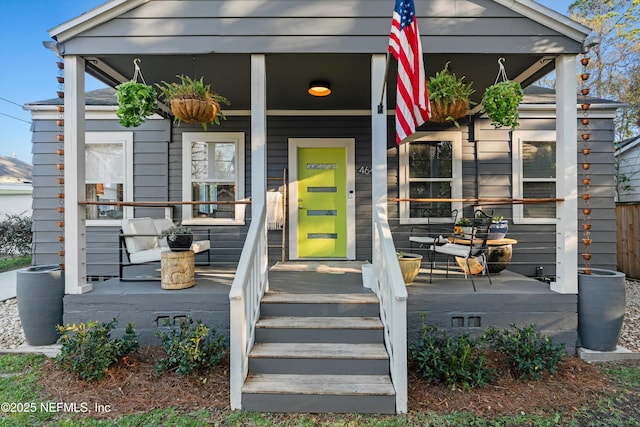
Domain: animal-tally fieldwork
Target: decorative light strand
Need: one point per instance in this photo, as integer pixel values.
(586, 165)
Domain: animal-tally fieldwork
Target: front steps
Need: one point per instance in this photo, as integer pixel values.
(319, 353)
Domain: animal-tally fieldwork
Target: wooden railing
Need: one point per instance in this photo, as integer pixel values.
(389, 286)
(249, 285)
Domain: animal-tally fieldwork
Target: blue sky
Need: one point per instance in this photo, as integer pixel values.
(28, 70)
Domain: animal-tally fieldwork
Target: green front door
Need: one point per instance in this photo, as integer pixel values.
(322, 202)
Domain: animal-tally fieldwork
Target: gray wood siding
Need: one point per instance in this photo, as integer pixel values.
(350, 26)
(150, 154)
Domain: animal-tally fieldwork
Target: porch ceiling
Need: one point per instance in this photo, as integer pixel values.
(288, 75)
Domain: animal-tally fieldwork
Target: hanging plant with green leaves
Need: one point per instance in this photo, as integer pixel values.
(449, 95)
(136, 100)
(501, 101)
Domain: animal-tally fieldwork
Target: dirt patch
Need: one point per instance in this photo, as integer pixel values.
(133, 386)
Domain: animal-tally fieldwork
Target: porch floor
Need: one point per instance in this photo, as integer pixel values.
(512, 298)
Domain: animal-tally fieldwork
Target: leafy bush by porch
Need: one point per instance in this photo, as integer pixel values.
(88, 349)
(191, 347)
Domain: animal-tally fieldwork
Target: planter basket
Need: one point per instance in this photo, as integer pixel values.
(193, 110)
(455, 110)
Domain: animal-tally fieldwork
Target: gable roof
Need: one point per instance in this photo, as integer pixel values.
(14, 170)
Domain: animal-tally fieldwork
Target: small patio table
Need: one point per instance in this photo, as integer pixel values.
(499, 254)
(177, 269)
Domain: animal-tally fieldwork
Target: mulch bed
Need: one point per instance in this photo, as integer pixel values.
(133, 386)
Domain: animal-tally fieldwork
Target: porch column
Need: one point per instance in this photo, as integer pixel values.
(75, 236)
(378, 139)
(566, 176)
(258, 134)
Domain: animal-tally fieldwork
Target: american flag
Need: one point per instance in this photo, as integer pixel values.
(412, 99)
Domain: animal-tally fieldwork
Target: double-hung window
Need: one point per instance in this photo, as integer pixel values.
(534, 176)
(430, 168)
(213, 171)
(108, 175)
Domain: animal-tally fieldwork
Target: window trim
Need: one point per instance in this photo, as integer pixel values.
(517, 171)
(238, 138)
(125, 138)
(456, 174)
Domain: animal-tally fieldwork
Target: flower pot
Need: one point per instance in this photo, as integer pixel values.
(497, 230)
(443, 112)
(181, 242)
(194, 110)
(409, 266)
(39, 293)
(601, 307)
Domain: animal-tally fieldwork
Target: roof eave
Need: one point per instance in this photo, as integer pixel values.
(549, 18)
(94, 17)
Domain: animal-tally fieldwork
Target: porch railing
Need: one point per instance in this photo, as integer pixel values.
(249, 285)
(391, 291)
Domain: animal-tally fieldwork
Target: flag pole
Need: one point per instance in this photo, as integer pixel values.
(384, 85)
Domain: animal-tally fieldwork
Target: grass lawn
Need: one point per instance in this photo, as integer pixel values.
(24, 402)
(15, 263)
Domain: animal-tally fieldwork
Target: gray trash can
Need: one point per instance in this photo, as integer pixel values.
(39, 291)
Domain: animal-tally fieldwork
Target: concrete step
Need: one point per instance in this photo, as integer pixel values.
(319, 359)
(315, 305)
(319, 393)
(290, 329)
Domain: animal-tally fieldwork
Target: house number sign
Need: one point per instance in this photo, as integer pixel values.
(364, 170)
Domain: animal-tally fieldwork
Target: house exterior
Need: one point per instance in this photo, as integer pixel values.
(15, 187)
(262, 55)
(627, 154)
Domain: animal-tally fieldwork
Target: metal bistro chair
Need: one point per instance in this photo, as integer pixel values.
(476, 249)
(423, 237)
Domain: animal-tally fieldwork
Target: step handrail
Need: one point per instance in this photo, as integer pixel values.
(248, 288)
(391, 291)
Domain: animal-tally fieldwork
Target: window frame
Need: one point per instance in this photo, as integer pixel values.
(518, 171)
(237, 138)
(126, 138)
(455, 180)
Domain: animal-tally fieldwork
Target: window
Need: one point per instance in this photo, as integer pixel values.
(534, 175)
(108, 175)
(430, 168)
(213, 171)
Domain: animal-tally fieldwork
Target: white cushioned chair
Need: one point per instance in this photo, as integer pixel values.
(141, 242)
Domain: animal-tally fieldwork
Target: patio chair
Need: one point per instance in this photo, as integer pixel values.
(468, 252)
(423, 237)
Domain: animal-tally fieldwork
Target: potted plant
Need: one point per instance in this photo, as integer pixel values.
(449, 96)
(500, 101)
(463, 227)
(136, 102)
(498, 228)
(192, 101)
(179, 237)
(409, 265)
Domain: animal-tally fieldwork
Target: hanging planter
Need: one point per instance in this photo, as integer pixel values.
(501, 100)
(192, 101)
(136, 100)
(449, 96)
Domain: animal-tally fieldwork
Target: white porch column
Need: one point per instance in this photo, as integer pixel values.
(566, 176)
(258, 134)
(378, 140)
(75, 246)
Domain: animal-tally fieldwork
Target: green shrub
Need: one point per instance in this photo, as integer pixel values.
(528, 353)
(191, 347)
(452, 361)
(89, 350)
(16, 235)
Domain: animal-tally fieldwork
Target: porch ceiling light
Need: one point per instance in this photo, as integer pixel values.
(319, 88)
